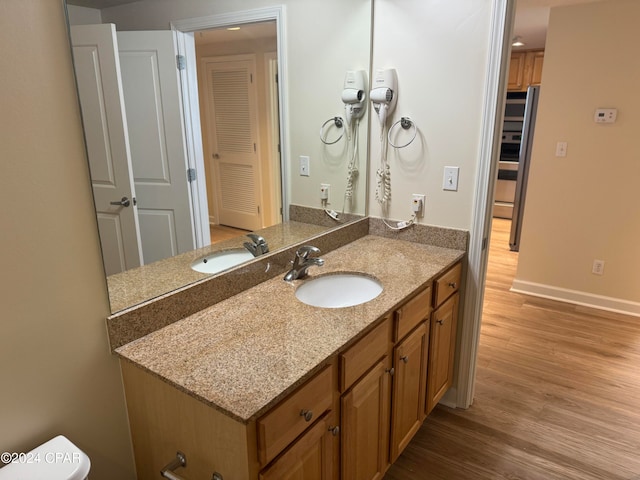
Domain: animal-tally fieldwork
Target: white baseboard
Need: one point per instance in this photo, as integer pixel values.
(576, 297)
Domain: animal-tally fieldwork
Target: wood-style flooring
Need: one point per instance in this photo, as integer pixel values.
(557, 393)
(219, 233)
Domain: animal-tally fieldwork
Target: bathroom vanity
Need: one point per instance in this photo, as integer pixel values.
(263, 386)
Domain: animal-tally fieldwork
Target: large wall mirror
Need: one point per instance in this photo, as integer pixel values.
(199, 116)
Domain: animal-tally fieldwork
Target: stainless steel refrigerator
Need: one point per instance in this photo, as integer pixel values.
(524, 161)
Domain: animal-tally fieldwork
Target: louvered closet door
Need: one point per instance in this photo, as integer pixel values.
(232, 140)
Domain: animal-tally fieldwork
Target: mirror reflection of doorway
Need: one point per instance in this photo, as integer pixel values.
(237, 76)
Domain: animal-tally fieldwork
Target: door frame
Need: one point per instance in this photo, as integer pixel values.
(185, 45)
(273, 126)
(501, 29)
(276, 13)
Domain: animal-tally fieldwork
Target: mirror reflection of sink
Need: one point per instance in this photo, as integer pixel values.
(339, 290)
(220, 261)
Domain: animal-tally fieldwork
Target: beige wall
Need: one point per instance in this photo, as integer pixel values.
(58, 376)
(440, 52)
(586, 206)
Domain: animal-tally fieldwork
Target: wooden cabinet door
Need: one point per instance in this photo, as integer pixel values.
(409, 388)
(516, 72)
(441, 350)
(536, 60)
(311, 457)
(365, 425)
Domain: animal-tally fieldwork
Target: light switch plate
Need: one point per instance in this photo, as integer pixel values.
(304, 166)
(450, 180)
(561, 149)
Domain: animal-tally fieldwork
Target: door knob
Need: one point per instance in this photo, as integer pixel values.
(124, 202)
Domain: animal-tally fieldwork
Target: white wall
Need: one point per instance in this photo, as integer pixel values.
(58, 376)
(324, 40)
(440, 52)
(83, 15)
(585, 206)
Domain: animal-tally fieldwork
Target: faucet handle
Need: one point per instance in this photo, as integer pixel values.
(257, 239)
(304, 251)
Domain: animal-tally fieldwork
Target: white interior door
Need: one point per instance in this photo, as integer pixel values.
(150, 80)
(98, 75)
(231, 123)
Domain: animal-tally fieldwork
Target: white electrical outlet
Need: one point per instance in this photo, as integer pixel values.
(304, 166)
(450, 180)
(324, 191)
(417, 204)
(598, 267)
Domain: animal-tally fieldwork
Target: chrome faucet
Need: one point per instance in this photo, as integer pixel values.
(258, 245)
(302, 261)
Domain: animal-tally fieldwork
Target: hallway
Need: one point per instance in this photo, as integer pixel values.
(557, 393)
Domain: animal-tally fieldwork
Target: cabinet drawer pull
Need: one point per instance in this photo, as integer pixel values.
(334, 430)
(453, 284)
(441, 322)
(307, 414)
(405, 359)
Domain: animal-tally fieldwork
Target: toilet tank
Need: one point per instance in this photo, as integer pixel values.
(57, 459)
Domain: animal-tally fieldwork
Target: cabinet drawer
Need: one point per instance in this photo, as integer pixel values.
(312, 456)
(283, 423)
(364, 354)
(412, 313)
(447, 284)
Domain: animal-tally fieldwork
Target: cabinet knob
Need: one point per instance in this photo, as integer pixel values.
(307, 414)
(441, 322)
(453, 284)
(390, 371)
(334, 430)
(405, 359)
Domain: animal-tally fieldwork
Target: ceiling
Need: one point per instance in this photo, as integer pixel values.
(532, 17)
(249, 31)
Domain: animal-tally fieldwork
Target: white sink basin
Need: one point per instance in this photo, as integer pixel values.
(219, 261)
(339, 290)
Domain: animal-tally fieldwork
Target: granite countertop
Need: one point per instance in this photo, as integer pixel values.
(244, 354)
